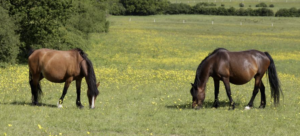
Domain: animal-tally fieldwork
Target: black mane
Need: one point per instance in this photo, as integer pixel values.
(197, 78)
(91, 74)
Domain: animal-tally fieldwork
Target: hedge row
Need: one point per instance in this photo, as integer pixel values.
(292, 12)
(153, 7)
(199, 9)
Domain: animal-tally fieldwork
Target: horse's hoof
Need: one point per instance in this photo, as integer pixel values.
(59, 105)
(80, 106)
(247, 108)
(261, 106)
(198, 108)
(34, 104)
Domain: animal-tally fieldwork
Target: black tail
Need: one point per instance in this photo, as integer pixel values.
(274, 81)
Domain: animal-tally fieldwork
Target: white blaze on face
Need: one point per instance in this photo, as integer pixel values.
(93, 102)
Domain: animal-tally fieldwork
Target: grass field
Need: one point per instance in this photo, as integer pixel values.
(145, 69)
(278, 4)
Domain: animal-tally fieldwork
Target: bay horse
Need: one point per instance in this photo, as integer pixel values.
(237, 68)
(62, 66)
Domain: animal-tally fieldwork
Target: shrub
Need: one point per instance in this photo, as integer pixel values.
(179, 8)
(242, 5)
(262, 4)
(271, 6)
(144, 7)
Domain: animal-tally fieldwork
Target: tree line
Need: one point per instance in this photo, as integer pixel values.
(154, 7)
(56, 24)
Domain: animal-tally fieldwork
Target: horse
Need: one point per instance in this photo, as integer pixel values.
(62, 66)
(237, 68)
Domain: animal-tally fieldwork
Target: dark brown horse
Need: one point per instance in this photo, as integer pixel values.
(62, 66)
(237, 68)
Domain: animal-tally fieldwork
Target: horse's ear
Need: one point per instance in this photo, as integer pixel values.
(98, 84)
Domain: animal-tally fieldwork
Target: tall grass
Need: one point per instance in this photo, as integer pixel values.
(145, 70)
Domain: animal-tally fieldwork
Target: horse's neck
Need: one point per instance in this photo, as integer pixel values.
(202, 76)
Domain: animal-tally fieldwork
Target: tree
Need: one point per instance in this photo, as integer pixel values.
(9, 41)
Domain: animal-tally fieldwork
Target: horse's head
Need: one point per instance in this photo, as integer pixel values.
(92, 98)
(198, 95)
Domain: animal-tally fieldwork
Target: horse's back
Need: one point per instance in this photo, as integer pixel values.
(55, 65)
(241, 66)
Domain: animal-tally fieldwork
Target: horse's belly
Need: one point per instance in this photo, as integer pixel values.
(239, 81)
(57, 76)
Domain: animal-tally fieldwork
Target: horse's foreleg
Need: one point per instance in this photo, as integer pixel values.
(67, 84)
(228, 92)
(78, 91)
(217, 86)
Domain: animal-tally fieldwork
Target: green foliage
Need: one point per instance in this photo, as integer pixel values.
(9, 41)
(39, 21)
(262, 4)
(88, 16)
(178, 8)
(144, 7)
(242, 5)
(56, 24)
(292, 12)
(117, 9)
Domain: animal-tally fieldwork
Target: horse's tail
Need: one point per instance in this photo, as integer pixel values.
(274, 81)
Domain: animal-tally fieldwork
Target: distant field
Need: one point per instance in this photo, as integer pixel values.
(145, 69)
(248, 3)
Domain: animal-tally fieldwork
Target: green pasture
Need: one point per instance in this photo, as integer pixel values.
(278, 4)
(145, 69)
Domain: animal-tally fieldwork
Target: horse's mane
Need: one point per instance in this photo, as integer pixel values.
(91, 74)
(197, 78)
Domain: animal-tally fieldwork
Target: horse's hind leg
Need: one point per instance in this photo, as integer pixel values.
(255, 91)
(34, 84)
(263, 96)
(67, 84)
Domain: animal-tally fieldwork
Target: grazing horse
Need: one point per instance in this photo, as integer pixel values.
(62, 66)
(237, 68)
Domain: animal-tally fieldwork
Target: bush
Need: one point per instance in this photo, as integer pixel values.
(242, 5)
(262, 4)
(292, 12)
(144, 7)
(179, 8)
(9, 41)
(271, 6)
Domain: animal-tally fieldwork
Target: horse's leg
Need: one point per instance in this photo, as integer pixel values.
(263, 96)
(228, 91)
(34, 84)
(217, 86)
(78, 87)
(255, 91)
(67, 84)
